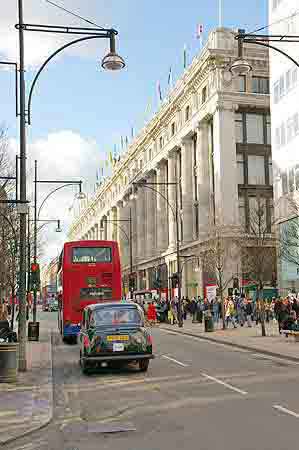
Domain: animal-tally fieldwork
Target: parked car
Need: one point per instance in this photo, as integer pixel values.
(114, 334)
(53, 305)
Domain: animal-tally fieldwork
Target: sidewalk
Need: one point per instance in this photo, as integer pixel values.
(245, 338)
(27, 404)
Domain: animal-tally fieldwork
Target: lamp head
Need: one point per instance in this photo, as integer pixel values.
(240, 67)
(81, 196)
(112, 61)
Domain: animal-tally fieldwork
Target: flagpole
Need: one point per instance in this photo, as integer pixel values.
(220, 13)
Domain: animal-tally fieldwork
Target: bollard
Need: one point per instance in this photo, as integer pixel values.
(8, 362)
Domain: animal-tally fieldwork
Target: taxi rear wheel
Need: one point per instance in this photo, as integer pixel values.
(143, 365)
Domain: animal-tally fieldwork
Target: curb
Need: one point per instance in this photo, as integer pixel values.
(48, 420)
(235, 345)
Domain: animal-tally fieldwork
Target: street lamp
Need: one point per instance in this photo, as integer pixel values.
(25, 117)
(129, 239)
(175, 212)
(241, 66)
(63, 183)
(112, 61)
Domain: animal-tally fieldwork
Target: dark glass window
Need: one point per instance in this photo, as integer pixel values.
(92, 255)
(260, 85)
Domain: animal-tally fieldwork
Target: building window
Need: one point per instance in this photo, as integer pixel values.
(150, 154)
(276, 92)
(140, 164)
(187, 113)
(204, 95)
(173, 129)
(256, 169)
(240, 168)
(241, 80)
(255, 128)
(260, 85)
(242, 214)
(239, 128)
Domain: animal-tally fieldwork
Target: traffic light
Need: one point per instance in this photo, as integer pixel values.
(35, 276)
(132, 286)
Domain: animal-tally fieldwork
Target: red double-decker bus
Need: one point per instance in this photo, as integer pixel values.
(88, 272)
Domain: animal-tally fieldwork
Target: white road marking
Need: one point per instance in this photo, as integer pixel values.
(175, 361)
(286, 411)
(229, 386)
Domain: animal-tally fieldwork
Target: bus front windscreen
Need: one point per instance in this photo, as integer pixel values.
(85, 255)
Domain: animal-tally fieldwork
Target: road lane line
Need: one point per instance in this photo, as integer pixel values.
(175, 361)
(286, 411)
(229, 386)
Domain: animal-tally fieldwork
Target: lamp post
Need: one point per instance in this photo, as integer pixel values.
(175, 212)
(129, 239)
(63, 183)
(14, 255)
(112, 61)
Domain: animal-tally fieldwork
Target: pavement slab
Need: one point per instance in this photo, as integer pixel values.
(27, 405)
(244, 338)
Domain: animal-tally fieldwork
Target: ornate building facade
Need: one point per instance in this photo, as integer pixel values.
(210, 139)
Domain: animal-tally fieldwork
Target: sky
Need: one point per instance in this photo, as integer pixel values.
(79, 111)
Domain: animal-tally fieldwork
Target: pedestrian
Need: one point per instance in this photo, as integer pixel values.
(248, 312)
(230, 313)
(3, 312)
(193, 309)
(152, 313)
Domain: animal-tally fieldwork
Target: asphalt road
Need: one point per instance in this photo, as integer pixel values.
(196, 395)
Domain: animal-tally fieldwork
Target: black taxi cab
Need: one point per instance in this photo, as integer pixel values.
(114, 334)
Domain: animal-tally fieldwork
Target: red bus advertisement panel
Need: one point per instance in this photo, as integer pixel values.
(88, 273)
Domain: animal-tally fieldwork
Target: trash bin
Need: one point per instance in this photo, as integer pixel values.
(33, 331)
(209, 324)
(8, 362)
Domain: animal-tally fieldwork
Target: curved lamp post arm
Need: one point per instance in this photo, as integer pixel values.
(52, 192)
(69, 44)
(264, 44)
(119, 227)
(161, 195)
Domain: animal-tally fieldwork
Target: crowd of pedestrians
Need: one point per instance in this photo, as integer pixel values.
(238, 310)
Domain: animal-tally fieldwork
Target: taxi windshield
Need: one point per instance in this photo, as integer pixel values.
(116, 316)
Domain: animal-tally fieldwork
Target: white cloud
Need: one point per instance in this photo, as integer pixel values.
(62, 155)
(38, 46)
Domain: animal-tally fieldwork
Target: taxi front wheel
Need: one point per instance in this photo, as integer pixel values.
(143, 365)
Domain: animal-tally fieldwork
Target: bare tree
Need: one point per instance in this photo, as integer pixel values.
(218, 256)
(259, 250)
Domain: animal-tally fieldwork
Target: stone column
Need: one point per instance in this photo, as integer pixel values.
(141, 222)
(162, 207)
(120, 236)
(172, 178)
(225, 166)
(187, 189)
(133, 206)
(204, 177)
(151, 217)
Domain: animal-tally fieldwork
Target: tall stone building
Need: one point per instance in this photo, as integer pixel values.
(211, 136)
